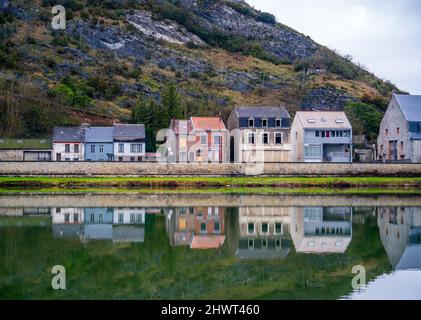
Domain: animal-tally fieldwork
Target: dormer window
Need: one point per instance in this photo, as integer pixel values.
(264, 122)
(339, 121)
(278, 122)
(311, 121)
(251, 122)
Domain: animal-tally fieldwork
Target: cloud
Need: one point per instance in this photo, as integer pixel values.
(384, 35)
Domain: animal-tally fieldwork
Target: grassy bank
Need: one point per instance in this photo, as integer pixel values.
(345, 185)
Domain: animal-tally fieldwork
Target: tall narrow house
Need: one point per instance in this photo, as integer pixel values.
(259, 134)
(98, 144)
(400, 130)
(199, 139)
(321, 136)
(67, 144)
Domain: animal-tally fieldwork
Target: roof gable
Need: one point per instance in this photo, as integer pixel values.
(323, 119)
(410, 106)
(207, 123)
(67, 134)
(99, 134)
(261, 112)
(129, 132)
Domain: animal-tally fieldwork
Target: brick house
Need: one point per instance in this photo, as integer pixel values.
(400, 130)
(199, 139)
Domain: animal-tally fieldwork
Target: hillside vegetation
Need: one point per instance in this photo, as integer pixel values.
(148, 61)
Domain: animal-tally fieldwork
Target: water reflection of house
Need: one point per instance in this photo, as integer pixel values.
(263, 233)
(197, 227)
(119, 224)
(321, 230)
(400, 233)
(67, 222)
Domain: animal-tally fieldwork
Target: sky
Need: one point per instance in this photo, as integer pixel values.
(383, 35)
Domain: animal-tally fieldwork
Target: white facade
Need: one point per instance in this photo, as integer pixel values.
(129, 216)
(68, 151)
(129, 151)
(67, 215)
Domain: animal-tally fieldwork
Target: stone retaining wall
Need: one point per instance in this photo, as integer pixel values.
(158, 169)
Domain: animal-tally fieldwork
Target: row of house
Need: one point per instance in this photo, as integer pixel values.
(262, 134)
(252, 134)
(122, 142)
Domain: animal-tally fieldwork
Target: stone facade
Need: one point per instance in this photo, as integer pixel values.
(393, 142)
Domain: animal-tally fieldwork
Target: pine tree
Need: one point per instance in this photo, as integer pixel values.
(171, 101)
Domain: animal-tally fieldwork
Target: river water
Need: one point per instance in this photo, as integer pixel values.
(226, 246)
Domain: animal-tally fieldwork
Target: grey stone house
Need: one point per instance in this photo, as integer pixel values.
(321, 136)
(400, 130)
(259, 134)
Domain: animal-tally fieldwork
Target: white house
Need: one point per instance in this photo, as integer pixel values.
(67, 144)
(129, 142)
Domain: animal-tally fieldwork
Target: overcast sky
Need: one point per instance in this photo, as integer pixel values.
(383, 35)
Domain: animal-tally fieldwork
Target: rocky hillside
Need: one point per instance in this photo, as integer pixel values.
(116, 53)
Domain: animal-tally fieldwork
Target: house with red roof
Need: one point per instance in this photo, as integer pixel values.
(199, 140)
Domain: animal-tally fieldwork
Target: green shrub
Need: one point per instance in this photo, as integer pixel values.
(365, 119)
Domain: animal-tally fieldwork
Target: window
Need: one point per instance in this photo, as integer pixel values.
(278, 122)
(101, 149)
(132, 159)
(121, 148)
(251, 122)
(323, 134)
(101, 217)
(387, 131)
(313, 151)
(66, 217)
(182, 211)
(120, 218)
(217, 139)
(278, 138)
(132, 217)
(265, 227)
(216, 211)
(120, 159)
(76, 218)
(183, 156)
(265, 138)
(136, 148)
(191, 210)
(317, 133)
(138, 218)
(76, 159)
(252, 138)
(347, 134)
(58, 210)
(250, 228)
(333, 133)
(216, 226)
(402, 145)
(209, 211)
(264, 123)
(278, 228)
(67, 148)
(204, 139)
(92, 217)
(76, 148)
(92, 148)
(203, 227)
(398, 130)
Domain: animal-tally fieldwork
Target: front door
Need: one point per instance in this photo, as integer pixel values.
(58, 156)
(393, 151)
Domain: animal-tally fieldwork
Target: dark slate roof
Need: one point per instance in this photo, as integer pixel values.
(99, 134)
(261, 112)
(410, 106)
(67, 134)
(129, 132)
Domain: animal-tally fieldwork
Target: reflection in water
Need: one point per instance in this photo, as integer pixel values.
(400, 232)
(294, 237)
(116, 224)
(197, 227)
(321, 230)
